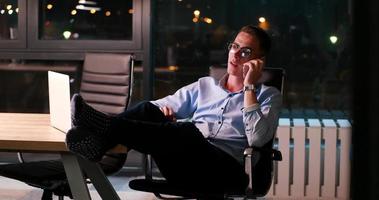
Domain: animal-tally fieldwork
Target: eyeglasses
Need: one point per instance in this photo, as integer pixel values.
(244, 52)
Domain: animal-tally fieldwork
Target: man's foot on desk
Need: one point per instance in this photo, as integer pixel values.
(84, 115)
(83, 142)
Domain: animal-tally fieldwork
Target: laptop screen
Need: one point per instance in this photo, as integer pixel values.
(59, 101)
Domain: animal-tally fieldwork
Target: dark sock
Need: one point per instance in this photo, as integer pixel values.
(85, 143)
(84, 115)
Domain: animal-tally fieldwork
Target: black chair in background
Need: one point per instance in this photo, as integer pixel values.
(258, 161)
(106, 85)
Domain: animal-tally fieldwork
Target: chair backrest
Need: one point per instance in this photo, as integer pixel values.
(107, 81)
(273, 77)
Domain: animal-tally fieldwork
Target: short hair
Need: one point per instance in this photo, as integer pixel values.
(262, 36)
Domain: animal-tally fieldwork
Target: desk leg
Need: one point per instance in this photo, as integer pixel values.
(75, 177)
(99, 179)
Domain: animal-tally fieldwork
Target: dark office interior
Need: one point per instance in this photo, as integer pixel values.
(328, 49)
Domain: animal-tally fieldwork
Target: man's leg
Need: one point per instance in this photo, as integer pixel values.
(85, 116)
(94, 140)
(182, 154)
(184, 157)
(144, 111)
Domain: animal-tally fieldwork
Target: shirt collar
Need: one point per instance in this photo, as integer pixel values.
(222, 81)
(224, 78)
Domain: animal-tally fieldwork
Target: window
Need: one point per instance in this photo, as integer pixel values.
(47, 35)
(32, 28)
(9, 20)
(311, 41)
(91, 25)
(85, 20)
(12, 24)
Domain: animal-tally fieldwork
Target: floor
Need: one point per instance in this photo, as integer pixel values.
(11, 189)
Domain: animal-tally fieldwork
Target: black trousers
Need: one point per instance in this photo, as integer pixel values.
(184, 157)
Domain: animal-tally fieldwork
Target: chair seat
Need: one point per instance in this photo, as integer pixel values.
(162, 187)
(50, 170)
(47, 175)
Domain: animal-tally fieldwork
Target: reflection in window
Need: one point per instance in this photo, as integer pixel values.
(311, 41)
(85, 20)
(8, 19)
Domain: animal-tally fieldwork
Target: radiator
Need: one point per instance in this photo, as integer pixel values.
(316, 159)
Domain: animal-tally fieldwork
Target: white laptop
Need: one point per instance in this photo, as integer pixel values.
(59, 101)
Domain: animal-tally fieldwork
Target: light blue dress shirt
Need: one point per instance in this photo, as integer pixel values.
(220, 116)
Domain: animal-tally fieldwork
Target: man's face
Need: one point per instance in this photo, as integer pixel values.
(245, 47)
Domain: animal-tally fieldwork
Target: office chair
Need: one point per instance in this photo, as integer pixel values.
(107, 86)
(258, 161)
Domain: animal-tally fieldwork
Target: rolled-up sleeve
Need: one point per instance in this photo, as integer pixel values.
(261, 120)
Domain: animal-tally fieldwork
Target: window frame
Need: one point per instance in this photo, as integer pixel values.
(35, 43)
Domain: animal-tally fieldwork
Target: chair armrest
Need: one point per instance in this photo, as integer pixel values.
(276, 154)
(148, 167)
(248, 159)
(119, 149)
(256, 158)
(114, 159)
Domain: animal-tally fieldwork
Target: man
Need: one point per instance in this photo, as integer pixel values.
(206, 153)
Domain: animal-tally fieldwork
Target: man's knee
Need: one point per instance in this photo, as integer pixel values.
(145, 106)
(145, 111)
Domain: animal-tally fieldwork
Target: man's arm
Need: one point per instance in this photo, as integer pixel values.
(261, 113)
(252, 71)
(261, 120)
(181, 104)
(168, 112)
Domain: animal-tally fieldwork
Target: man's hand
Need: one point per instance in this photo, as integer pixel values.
(252, 71)
(167, 111)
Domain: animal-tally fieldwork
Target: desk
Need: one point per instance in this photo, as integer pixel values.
(33, 133)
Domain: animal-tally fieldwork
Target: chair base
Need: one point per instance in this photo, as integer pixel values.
(159, 187)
